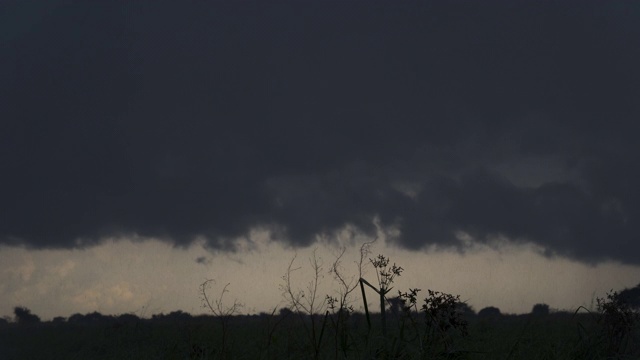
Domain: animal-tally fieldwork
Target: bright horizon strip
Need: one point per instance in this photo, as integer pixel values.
(147, 277)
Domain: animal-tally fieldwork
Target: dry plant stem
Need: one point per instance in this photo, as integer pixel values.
(345, 288)
(381, 294)
(364, 301)
(305, 303)
(347, 285)
(365, 250)
(219, 310)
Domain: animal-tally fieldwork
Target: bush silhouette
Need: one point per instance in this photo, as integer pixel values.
(24, 316)
(540, 309)
(75, 318)
(489, 311)
(631, 297)
(128, 318)
(618, 320)
(285, 311)
(464, 309)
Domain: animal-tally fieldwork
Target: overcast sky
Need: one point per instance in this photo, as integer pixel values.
(448, 125)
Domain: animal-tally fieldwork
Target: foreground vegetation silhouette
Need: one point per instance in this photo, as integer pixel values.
(410, 325)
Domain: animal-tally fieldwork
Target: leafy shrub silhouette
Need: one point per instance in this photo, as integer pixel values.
(178, 316)
(464, 309)
(618, 320)
(489, 311)
(285, 311)
(631, 297)
(442, 311)
(24, 316)
(128, 318)
(442, 320)
(540, 310)
(76, 318)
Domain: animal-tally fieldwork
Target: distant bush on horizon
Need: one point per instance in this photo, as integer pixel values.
(540, 310)
(24, 316)
(489, 311)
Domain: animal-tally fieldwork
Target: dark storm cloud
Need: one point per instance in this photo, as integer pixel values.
(179, 121)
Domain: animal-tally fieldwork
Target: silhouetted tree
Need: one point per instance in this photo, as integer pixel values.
(128, 318)
(464, 309)
(24, 316)
(631, 297)
(489, 311)
(179, 315)
(59, 320)
(91, 318)
(95, 318)
(619, 321)
(285, 311)
(174, 316)
(540, 309)
(76, 318)
(3, 321)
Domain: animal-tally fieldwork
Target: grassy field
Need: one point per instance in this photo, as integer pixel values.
(285, 336)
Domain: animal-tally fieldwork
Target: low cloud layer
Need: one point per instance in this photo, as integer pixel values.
(207, 120)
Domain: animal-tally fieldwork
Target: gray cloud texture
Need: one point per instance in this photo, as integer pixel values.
(208, 119)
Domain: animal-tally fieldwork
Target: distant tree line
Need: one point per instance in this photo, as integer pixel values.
(23, 315)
